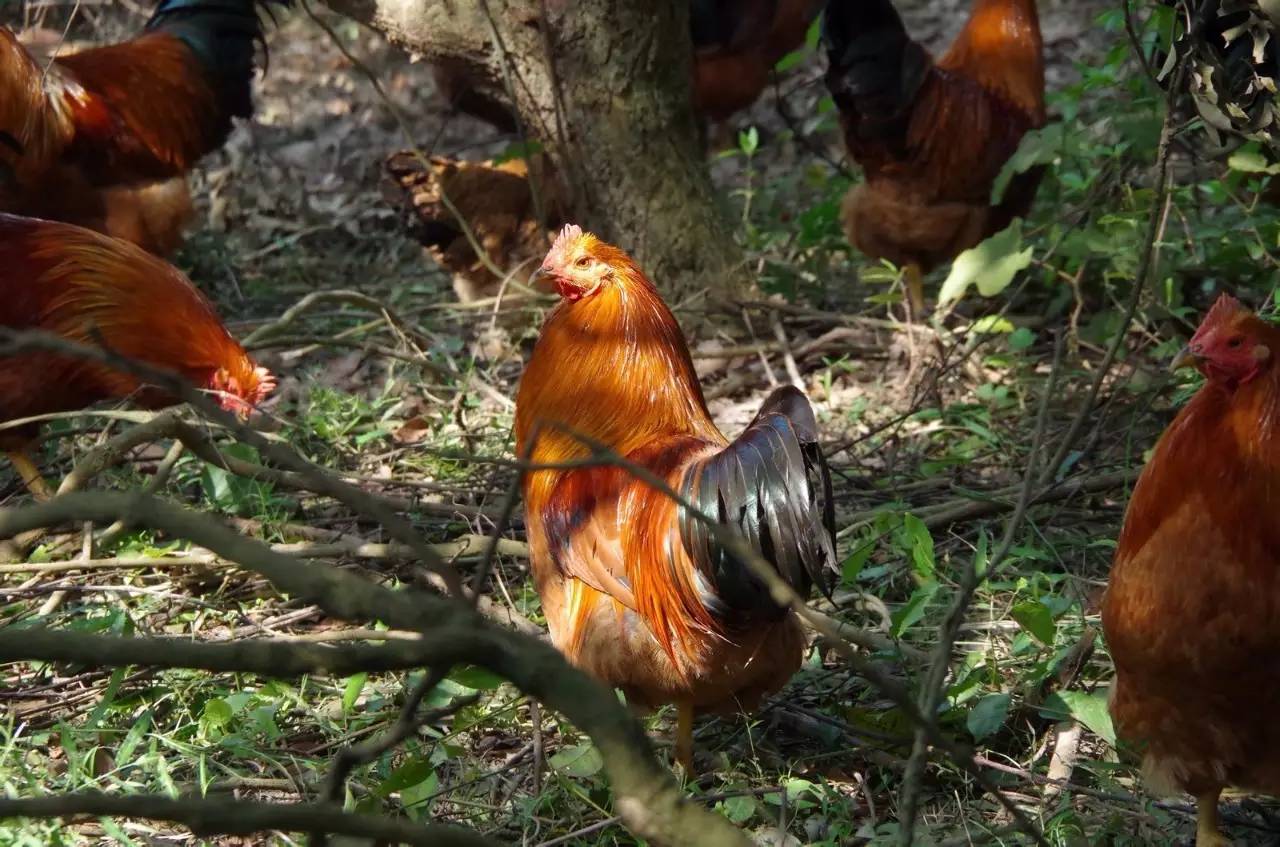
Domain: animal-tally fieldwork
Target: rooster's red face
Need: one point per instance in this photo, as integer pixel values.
(573, 266)
(1231, 346)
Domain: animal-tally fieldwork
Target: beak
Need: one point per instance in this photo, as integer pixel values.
(539, 278)
(1186, 358)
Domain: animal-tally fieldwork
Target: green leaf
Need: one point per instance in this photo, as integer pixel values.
(351, 693)
(749, 140)
(477, 679)
(988, 715)
(1021, 338)
(217, 713)
(738, 809)
(856, 562)
(909, 613)
(412, 772)
(920, 542)
(1088, 709)
(414, 797)
(991, 265)
(1038, 147)
(579, 760)
(1036, 619)
(1251, 161)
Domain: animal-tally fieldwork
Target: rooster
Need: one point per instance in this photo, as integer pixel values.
(635, 590)
(104, 138)
(931, 137)
(508, 218)
(93, 289)
(1192, 610)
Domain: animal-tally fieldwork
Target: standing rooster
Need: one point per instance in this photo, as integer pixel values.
(1192, 611)
(635, 590)
(932, 136)
(92, 289)
(104, 138)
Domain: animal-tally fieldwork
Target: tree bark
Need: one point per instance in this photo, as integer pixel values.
(604, 86)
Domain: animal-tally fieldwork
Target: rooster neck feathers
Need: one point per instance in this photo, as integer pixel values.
(613, 366)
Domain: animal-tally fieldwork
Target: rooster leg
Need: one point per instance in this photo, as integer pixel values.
(26, 468)
(1207, 832)
(915, 290)
(684, 737)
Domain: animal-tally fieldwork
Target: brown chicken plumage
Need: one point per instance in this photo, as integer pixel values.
(1192, 610)
(92, 289)
(931, 137)
(636, 591)
(510, 220)
(737, 44)
(104, 138)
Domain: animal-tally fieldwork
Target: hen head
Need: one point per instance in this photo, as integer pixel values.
(1231, 347)
(241, 391)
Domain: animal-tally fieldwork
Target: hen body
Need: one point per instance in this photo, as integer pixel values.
(104, 138)
(92, 289)
(931, 137)
(1192, 610)
(510, 220)
(636, 591)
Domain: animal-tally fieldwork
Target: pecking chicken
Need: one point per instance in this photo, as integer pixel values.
(92, 289)
(104, 138)
(508, 218)
(635, 590)
(1192, 610)
(931, 137)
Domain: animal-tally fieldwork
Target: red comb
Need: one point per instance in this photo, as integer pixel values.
(1224, 309)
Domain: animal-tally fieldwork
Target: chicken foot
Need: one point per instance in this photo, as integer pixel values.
(1207, 832)
(915, 291)
(684, 737)
(26, 468)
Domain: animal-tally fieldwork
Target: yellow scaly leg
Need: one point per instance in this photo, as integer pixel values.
(915, 290)
(1207, 832)
(30, 473)
(684, 737)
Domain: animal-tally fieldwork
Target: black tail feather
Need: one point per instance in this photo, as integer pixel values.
(772, 484)
(225, 35)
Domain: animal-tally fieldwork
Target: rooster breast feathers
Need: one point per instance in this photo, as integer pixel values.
(772, 485)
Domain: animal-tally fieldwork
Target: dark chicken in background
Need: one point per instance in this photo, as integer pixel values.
(634, 589)
(92, 289)
(104, 138)
(932, 136)
(1192, 608)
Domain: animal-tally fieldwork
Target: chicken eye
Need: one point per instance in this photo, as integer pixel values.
(1235, 342)
(583, 262)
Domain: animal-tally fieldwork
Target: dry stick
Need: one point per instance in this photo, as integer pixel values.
(1159, 202)
(340, 295)
(784, 595)
(646, 794)
(935, 678)
(316, 478)
(209, 816)
(162, 474)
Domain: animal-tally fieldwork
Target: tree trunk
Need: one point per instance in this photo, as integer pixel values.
(604, 86)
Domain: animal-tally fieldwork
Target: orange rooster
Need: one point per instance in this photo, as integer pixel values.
(104, 138)
(93, 289)
(1192, 611)
(932, 136)
(635, 590)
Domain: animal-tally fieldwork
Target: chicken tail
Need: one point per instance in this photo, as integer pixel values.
(772, 484)
(224, 35)
(874, 67)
